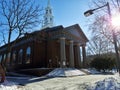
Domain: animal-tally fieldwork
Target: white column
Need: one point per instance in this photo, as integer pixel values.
(62, 52)
(71, 54)
(78, 55)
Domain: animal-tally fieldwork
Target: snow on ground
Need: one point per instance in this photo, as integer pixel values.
(91, 71)
(107, 84)
(84, 82)
(87, 82)
(8, 86)
(61, 72)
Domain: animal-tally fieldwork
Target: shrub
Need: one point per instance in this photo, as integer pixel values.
(103, 63)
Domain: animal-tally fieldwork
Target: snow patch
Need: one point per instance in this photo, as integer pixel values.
(61, 72)
(91, 71)
(107, 84)
(7, 85)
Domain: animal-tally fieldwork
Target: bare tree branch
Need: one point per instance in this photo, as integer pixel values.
(17, 16)
(101, 29)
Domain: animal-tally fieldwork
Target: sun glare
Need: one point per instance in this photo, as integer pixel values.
(116, 20)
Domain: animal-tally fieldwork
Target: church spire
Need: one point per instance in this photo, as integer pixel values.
(48, 17)
(48, 5)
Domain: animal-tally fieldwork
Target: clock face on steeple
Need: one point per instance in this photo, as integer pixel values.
(48, 17)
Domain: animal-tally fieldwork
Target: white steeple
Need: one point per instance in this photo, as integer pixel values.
(48, 17)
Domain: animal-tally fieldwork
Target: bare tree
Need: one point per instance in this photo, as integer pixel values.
(104, 30)
(101, 39)
(101, 28)
(17, 18)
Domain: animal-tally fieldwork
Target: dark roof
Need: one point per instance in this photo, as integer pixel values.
(49, 29)
(35, 32)
(53, 28)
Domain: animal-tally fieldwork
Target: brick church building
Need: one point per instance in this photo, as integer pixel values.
(50, 47)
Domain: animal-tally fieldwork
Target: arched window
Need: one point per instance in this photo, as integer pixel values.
(3, 59)
(8, 58)
(20, 56)
(0, 58)
(46, 11)
(14, 57)
(28, 54)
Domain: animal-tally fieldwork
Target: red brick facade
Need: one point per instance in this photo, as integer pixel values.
(41, 49)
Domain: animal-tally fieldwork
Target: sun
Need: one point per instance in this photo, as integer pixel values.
(116, 20)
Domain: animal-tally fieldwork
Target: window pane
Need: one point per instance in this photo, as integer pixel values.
(4, 58)
(8, 59)
(28, 53)
(14, 57)
(20, 56)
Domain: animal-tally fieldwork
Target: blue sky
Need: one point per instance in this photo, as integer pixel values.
(69, 12)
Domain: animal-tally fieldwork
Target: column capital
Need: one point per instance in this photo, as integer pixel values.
(77, 44)
(71, 41)
(62, 37)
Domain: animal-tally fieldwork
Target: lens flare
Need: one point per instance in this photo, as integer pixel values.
(116, 20)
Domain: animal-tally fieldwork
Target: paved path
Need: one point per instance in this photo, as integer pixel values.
(59, 83)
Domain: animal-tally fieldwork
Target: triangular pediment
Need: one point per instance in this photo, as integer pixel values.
(76, 31)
